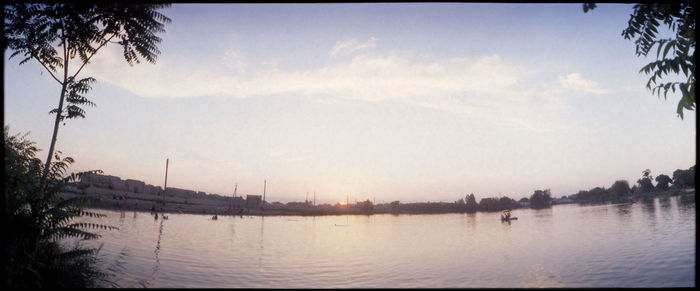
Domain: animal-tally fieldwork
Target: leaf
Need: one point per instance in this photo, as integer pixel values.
(668, 46)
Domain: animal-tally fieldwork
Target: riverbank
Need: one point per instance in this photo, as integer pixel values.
(129, 201)
(119, 200)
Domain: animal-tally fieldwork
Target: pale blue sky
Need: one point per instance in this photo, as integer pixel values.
(410, 102)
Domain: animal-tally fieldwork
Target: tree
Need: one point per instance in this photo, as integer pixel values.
(507, 203)
(39, 31)
(662, 182)
(489, 204)
(645, 184)
(684, 178)
(366, 206)
(541, 199)
(618, 189)
(643, 26)
(597, 194)
(395, 205)
(471, 204)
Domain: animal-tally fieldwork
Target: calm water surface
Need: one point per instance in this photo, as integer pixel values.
(646, 244)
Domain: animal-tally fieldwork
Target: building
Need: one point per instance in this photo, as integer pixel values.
(253, 201)
(237, 202)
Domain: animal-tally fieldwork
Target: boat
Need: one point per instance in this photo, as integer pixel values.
(505, 216)
(215, 217)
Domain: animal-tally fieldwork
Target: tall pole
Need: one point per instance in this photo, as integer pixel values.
(264, 187)
(314, 198)
(234, 196)
(347, 201)
(165, 186)
(307, 198)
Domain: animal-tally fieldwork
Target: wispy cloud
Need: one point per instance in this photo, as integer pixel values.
(352, 45)
(575, 82)
(487, 86)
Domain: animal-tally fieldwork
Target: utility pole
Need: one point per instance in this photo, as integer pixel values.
(234, 196)
(264, 188)
(165, 186)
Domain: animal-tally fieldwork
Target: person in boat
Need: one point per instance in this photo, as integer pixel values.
(505, 215)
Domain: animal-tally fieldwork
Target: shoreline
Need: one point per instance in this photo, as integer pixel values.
(144, 203)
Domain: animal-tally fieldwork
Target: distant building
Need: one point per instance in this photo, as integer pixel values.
(180, 193)
(524, 204)
(237, 202)
(253, 201)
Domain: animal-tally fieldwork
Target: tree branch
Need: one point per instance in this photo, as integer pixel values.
(47, 69)
(93, 53)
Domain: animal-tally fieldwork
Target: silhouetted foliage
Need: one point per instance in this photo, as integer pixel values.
(618, 190)
(429, 207)
(541, 199)
(507, 203)
(489, 204)
(37, 31)
(662, 182)
(645, 184)
(365, 205)
(621, 192)
(395, 206)
(471, 205)
(643, 26)
(461, 206)
(684, 178)
(37, 221)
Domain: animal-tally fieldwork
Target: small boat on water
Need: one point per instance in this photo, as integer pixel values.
(214, 217)
(505, 216)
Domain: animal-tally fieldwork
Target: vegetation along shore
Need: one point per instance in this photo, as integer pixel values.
(110, 192)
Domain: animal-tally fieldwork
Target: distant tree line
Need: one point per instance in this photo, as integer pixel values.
(620, 191)
(541, 198)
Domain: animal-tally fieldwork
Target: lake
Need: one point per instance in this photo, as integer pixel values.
(645, 244)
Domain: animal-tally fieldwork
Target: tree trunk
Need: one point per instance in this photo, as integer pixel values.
(58, 118)
(55, 131)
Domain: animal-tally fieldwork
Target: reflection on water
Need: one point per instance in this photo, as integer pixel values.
(156, 252)
(665, 202)
(624, 209)
(622, 245)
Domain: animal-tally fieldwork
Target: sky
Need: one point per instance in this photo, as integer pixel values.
(381, 101)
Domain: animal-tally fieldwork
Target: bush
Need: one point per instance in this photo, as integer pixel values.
(38, 219)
